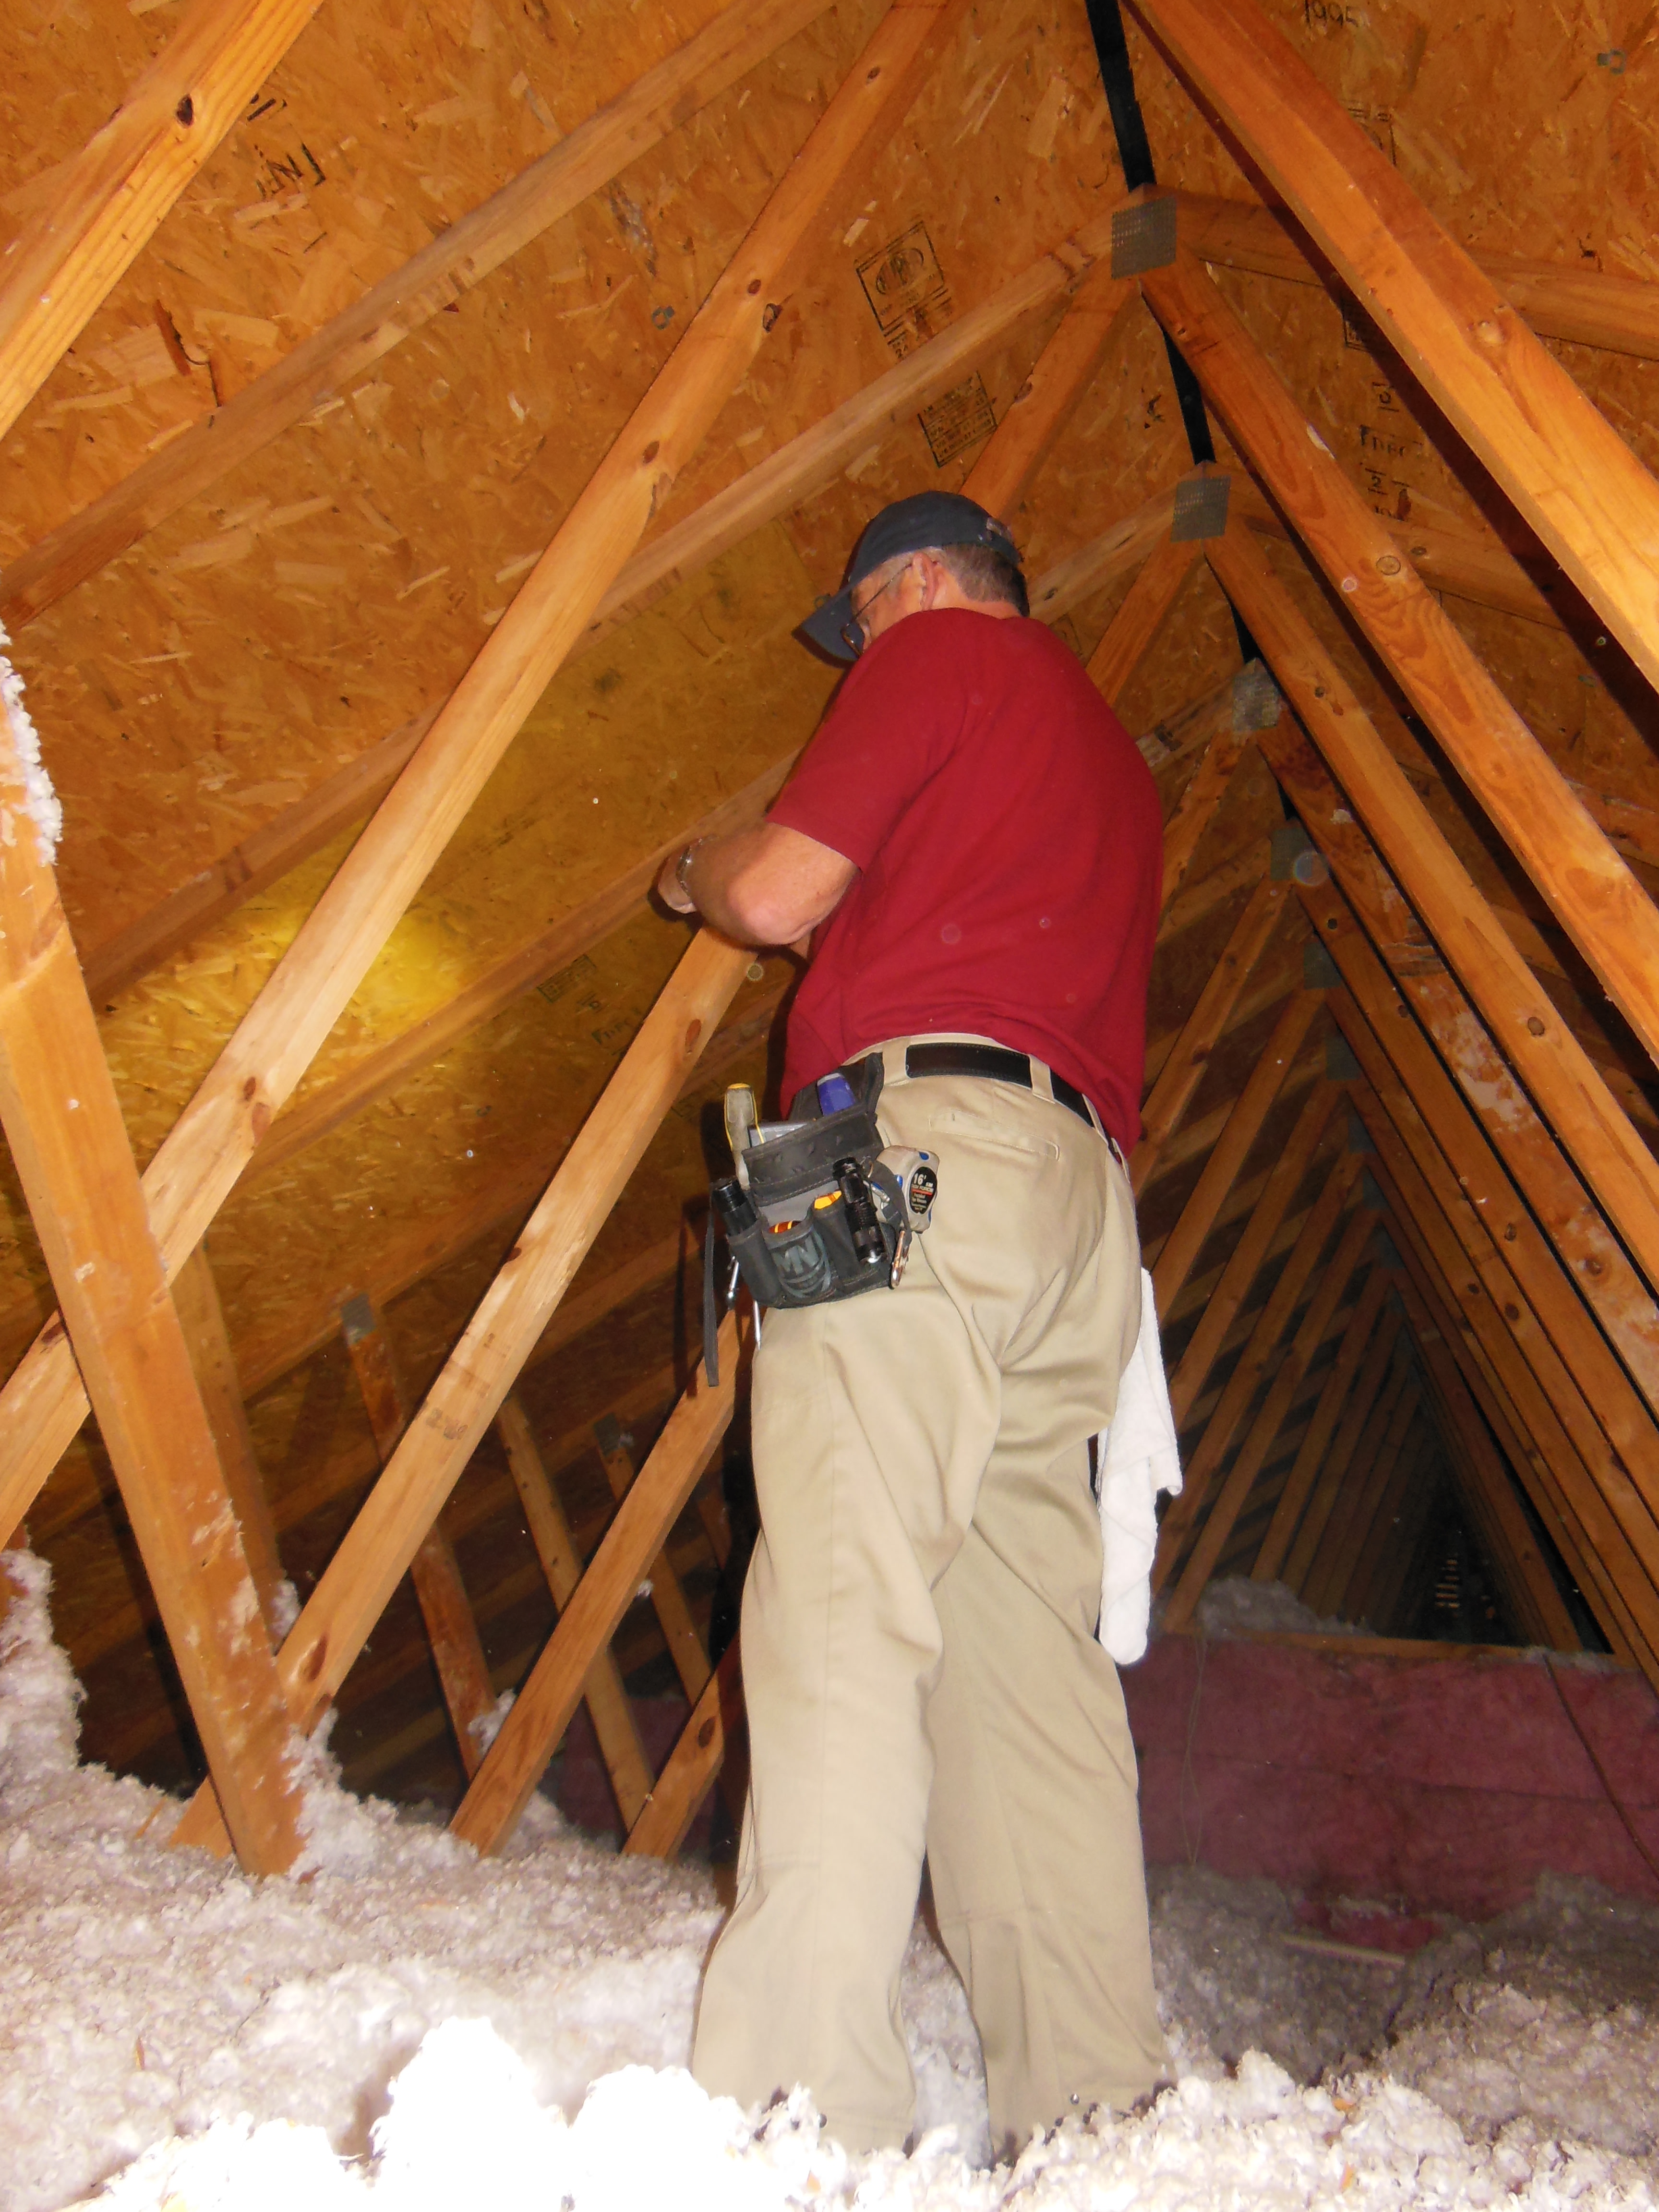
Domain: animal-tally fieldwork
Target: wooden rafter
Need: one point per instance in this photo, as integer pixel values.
(1541, 1051)
(1207, 787)
(1367, 1383)
(614, 1726)
(1489, 1480)
(696, 1758)
(106, 203)
(1473, 1263)
(1569, 473)
(1195, 1141)
(1257, 1359)
(1542, 1451)
(1559, 299)
(542, 1712)
(1134, 629)
(384, 1538)
(1224, 1301)
(1444, 1137)
(1368, 1475)
(1288, 1509)
(200, 1160)
(685, 1645)
(1239, 1334)
(1042, 407)
(196, 1295)
(1572, 1539)
(1523, 1019)
(1264, 1431)
(1587, 883)
(451, 1631)
(69, 1143)
(1179, 1254)
(1468, 565)
(478, 1373)
(1183, 1071)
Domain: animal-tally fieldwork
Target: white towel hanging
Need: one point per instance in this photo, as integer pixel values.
(1138, 1458)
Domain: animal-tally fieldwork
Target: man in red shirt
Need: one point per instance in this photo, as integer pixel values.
(975, 846)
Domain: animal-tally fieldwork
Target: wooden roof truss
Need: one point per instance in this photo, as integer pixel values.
(1445, 1272)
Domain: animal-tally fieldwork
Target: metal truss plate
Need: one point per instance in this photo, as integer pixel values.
(1256, 702)
(1200, 507)
(1144, 236)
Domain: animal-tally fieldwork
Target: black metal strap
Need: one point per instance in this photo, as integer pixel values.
(1134, 151)
(995, 1063)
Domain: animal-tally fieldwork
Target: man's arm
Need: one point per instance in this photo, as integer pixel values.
(769, 885)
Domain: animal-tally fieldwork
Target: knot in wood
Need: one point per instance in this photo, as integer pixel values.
(754, 286)
(706, 1735)
(652, 450)
(186, 111)
(693, 1031)
(1534, 1025)
(1388, 564)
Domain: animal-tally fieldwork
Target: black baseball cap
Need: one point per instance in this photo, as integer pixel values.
(917, 525)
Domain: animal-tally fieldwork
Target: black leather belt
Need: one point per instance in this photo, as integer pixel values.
(997, 1064)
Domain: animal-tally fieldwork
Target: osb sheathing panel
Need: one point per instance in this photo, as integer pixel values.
(344, 577)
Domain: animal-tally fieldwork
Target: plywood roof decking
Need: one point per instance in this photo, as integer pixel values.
(338, 582)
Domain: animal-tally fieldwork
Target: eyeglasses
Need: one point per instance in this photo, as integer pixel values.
(852, 632)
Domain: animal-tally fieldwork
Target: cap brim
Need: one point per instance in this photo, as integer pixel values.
(822, 630)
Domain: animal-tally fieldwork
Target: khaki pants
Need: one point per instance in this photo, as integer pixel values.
(919, 1654)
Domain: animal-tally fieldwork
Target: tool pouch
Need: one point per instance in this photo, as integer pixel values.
(818, 1210)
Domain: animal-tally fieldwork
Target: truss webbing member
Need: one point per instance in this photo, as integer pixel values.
(975, 845)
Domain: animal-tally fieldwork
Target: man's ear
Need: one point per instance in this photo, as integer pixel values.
(934, 572)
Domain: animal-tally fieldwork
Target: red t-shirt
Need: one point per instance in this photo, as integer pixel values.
(1009, 838)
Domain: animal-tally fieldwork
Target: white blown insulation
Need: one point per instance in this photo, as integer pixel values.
(413, 2029)
(40, 801)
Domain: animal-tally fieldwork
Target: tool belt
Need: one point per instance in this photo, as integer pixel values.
(818, 1208)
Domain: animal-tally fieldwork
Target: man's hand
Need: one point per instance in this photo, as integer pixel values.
(769, 885)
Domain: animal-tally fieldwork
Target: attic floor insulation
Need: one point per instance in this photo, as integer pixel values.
(412, 2027)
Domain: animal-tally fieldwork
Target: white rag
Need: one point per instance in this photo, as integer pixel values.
(1138, 1456)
